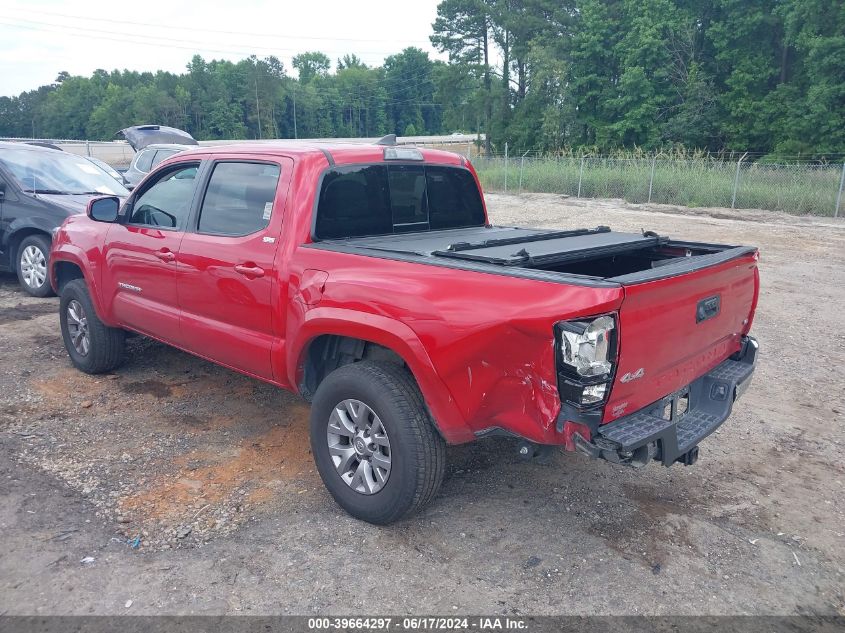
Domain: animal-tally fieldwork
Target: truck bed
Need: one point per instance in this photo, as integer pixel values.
(597, 253)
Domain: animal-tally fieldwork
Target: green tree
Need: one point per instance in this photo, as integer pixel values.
(463, 30)
(758, 75)
(409, 86)
(311, 65)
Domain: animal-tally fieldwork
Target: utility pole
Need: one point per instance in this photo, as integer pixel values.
(258, 107)
(294, 112)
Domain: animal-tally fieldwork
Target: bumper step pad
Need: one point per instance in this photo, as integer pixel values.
(711, 398)
(635, 430)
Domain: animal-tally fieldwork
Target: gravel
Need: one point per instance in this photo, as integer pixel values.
(190, 489)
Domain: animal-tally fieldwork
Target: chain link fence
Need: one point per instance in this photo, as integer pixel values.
(798, 188)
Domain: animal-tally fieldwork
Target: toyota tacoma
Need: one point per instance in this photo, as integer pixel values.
(368, 279)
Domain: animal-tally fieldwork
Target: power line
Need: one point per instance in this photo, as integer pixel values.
(170, 43)
(319, 92)
(216, 31)
(382, 98)
(64, 28)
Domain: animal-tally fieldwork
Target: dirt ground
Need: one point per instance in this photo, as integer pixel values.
(188, 489)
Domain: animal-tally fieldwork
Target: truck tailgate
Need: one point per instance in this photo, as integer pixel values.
(673, 330)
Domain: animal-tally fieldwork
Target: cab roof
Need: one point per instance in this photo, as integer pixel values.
(338, 153)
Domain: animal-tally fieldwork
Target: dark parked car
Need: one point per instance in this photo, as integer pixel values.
(39, 189)
(111, 171)
(152, 144)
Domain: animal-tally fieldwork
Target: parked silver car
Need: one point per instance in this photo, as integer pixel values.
(152, 144)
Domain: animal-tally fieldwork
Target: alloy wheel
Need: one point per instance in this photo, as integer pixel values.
(33, 266)
(77, 327)
(359, 446)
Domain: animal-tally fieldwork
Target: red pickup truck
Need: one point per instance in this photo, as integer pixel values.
(368, 279)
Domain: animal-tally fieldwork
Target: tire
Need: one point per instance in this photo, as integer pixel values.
(417, 453)
(32, 263)
(105, 344)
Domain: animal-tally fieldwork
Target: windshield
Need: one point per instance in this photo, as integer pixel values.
(111, 171)
(58, 173)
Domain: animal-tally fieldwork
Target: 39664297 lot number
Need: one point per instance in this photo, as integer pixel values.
(363, 623)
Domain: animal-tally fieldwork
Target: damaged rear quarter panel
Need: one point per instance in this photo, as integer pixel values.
(489, 337)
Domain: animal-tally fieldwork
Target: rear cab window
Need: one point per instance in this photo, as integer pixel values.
(379, 199)
(239, 198)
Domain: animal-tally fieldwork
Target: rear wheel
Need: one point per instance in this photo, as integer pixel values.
(93, 346)
(33, 255)
(374, 442)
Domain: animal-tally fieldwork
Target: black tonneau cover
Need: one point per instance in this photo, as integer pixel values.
(507, 246)
(528, 253)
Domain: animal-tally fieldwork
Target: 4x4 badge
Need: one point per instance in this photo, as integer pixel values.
(633, 375)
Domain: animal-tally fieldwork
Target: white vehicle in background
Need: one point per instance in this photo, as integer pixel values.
(152, 144)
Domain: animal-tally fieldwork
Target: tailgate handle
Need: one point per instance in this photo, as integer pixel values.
(708, 308)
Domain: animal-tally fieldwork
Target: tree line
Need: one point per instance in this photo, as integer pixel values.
(764, 76)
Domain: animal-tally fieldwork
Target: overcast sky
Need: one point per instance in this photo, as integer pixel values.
(40, 38)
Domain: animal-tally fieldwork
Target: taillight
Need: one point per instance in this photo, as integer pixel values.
(586, 353)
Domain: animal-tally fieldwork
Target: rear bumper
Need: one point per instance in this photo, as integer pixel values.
(664, 430)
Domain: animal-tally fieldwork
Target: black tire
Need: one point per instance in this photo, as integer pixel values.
(418, 453)
(106, 344)
(42, 244)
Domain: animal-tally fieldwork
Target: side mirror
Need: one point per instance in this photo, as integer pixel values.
(2, 191)
(103, 209)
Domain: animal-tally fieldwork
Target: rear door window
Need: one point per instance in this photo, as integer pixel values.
(162, 154)
(239, 198)
(358, 200)
(145, 160)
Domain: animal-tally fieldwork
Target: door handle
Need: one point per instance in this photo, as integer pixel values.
(249, 271)
(165, 255)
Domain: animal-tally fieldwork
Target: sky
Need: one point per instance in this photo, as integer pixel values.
(40, 38)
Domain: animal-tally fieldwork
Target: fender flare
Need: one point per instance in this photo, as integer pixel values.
(67, 253)
(395, 336)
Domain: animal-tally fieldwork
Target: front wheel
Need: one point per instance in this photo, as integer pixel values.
(374, 442)
(33, 255)
(93, 346)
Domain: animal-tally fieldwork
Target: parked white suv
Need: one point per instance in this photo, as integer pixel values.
(152, 144)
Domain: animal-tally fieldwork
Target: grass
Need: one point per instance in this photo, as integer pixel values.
(695, 182)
